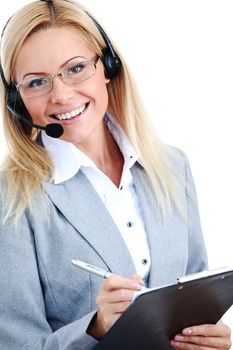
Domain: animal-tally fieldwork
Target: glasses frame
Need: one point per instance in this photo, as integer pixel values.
(60, 75)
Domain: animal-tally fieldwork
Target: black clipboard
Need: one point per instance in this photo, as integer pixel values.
(154, 317)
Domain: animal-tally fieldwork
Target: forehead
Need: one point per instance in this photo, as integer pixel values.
(47, 49)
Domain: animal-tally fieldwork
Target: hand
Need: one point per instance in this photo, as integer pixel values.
(115, 295)
(203, 337)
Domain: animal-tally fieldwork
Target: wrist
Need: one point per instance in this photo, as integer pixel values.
(94, 329)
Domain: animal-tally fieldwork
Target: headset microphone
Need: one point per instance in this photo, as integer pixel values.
(54, 130)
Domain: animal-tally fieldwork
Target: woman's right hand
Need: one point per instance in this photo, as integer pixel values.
(115, 295)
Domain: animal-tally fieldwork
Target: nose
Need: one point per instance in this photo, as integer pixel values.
(61, 92)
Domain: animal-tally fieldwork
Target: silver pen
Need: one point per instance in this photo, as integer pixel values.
(91, 268)
(96, 270)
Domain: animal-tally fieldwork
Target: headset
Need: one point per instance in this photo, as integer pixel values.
(112, 65)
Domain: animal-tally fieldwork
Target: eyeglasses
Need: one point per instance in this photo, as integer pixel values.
(75, 72)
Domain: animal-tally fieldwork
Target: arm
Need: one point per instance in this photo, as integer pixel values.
(197, 256)
(23, 321)
(209, 336)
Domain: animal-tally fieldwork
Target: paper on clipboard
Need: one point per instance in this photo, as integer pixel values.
(186, 278)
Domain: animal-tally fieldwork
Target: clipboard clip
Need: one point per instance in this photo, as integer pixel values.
(202, 274)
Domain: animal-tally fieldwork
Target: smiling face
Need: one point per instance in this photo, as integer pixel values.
(79, 107)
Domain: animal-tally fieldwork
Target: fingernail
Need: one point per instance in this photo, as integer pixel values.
(136, 286)
(175, 344)
(179, 338)
(187, 331)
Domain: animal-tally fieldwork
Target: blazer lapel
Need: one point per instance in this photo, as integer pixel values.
(82, 207)
(158, 234)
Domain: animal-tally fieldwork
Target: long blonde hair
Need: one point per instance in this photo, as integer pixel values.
(27, 164)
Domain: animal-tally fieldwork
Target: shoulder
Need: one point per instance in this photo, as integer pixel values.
(176, 156)
(15, 207)
(178, 161)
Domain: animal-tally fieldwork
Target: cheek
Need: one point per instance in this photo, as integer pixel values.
(100, 92)
(35, 109)
(98, 88)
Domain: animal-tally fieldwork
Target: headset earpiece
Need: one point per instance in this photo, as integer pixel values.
(16, 106)
(14, 102)
(12, 97)
(111, 61)
(112, 64)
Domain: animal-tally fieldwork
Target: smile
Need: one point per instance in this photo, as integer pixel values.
(72, 114)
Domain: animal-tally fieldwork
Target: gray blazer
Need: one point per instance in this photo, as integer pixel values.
(45, 301)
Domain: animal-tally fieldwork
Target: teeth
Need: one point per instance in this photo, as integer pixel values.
(71, 114)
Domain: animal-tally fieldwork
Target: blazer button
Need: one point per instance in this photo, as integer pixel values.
(129, 224)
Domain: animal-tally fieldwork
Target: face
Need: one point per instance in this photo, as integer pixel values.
(83, 105)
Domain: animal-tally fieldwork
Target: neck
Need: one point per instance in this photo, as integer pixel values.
(106, 155)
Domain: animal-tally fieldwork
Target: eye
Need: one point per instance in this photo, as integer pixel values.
(37, 83)
(77, 68)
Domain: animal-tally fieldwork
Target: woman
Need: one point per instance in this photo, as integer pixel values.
(100, 187)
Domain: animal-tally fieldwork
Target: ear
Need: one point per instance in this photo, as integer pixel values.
(107, 80)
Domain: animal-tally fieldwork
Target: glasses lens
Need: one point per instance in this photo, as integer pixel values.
(78, 71)
(35, 87)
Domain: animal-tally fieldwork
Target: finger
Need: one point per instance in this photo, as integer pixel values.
(115, 296)
(137, 279)
(204, 342)
(207, 336)
(189, 346)
(114, 308)
(211, 330)
(118, 282)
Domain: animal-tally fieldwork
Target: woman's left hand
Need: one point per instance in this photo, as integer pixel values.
(203, 337)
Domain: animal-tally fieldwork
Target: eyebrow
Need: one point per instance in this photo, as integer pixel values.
(63, 64)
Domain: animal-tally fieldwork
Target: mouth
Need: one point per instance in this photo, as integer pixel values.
(72, 114)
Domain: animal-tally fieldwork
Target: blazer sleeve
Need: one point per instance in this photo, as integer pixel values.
(197, 255)
(23, 322)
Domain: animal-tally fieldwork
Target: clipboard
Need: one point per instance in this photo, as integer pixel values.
(156, 315)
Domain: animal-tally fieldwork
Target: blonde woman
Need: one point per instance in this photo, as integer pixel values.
(85, 178)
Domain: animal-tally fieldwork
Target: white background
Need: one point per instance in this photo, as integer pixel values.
(181, 54)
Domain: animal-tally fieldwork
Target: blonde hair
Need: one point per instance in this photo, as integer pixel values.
(28, 165)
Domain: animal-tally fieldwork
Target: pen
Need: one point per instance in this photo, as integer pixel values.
(95, 270)
(91, 268)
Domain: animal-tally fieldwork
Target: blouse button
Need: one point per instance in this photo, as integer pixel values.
(129, 224)
(144, 261)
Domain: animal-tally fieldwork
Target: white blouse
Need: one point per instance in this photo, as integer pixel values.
(121, 202)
